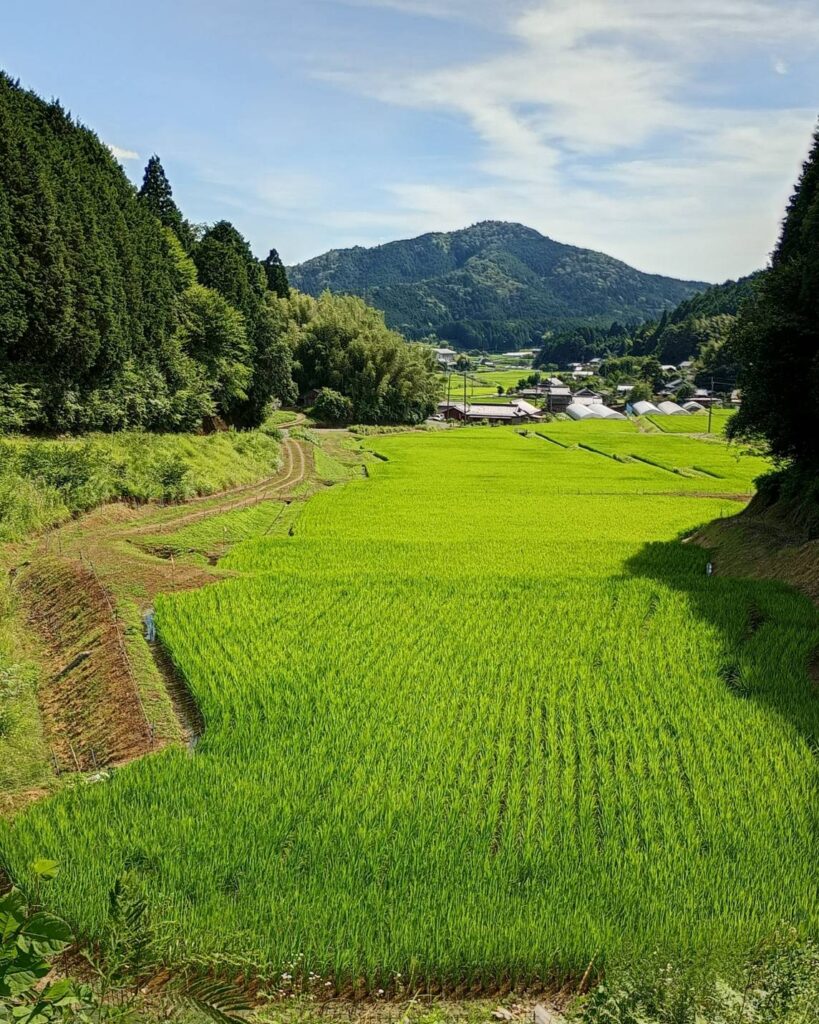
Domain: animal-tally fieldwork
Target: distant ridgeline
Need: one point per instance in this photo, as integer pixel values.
(116, 312)
(697, 329)
(493, 286)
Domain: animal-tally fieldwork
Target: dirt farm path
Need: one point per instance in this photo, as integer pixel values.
(107, 696)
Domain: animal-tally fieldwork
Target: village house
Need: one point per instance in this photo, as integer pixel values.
(446, 357)
(495, 414)
(671, 387)
(585, 396)
(531, 410)
(554, 394)
(558, 399)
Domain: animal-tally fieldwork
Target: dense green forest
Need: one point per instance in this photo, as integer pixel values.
(116, 312)
(697, 329)
(776, 342)
(493, 286)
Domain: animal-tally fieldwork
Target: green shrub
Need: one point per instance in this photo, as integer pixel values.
(332, 407)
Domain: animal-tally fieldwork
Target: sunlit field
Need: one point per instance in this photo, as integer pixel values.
(695, 423)
(481, 384)
(477, 717)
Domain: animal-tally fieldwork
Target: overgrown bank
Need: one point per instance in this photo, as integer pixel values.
(776, 537)
(45, 482)
(79, 689)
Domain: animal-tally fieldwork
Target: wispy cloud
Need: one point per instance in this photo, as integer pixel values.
(123, 154)
(477, 11)
(604, 123)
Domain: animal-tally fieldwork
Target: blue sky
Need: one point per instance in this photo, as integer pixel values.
(665, 132)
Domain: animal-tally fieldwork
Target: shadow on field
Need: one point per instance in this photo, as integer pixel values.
(769, 632)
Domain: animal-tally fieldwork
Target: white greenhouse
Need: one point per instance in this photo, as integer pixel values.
(672, 409)
(578, 412)
(645, 408)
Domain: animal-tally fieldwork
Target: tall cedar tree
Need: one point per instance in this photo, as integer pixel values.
(86, 277)
(276, 275)
(156, 195)
(226, 263)
(777, 337)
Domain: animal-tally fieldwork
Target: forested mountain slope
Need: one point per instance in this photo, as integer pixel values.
(116, 312)
(493, 285)
(696, 329)
(87, 277)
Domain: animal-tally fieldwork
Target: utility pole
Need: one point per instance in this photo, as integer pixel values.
(448, 390)
(464, 396)
(711, 405)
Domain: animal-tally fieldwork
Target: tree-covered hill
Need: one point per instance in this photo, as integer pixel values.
(697, 329)
(116, 312)
(494, 285)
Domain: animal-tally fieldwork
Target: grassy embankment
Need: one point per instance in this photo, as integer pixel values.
(47, 586)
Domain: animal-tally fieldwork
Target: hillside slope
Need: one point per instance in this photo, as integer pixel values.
(493, 285)
(697, 328)
(87, 276)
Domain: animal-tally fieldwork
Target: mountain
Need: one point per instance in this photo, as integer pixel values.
(494, 285)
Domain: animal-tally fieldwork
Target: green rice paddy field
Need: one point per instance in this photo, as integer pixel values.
(483, 383)
(695, 423)
(478, 717)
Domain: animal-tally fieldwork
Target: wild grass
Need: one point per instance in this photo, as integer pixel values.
(24, 761)
(219, 532)
(44, 482)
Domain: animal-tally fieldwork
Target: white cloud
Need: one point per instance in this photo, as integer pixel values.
(688, 215)
(604, 124)
(478, 11)
(123, 154)
(780, 66)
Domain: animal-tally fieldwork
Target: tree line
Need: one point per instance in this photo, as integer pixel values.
(697, 330)
(116, 312)
(776, 340)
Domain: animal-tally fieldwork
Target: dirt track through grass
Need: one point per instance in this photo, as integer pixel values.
(83, 588)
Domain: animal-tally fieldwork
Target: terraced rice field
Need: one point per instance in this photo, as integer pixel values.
(477, 718)
(696, 423)
(482, 384)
